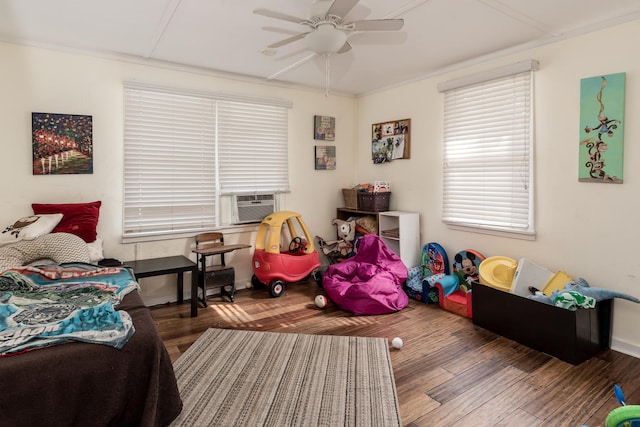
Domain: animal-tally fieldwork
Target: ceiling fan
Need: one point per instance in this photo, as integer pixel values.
(328, 29)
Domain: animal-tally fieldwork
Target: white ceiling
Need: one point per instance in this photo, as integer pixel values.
(227, 37)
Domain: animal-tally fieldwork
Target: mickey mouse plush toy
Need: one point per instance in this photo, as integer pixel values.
(468, 265)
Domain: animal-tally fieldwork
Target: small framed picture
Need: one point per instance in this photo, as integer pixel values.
(325, 157)
(324, 128)
(391, 140)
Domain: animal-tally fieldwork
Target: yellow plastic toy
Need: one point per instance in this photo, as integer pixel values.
(273, 266)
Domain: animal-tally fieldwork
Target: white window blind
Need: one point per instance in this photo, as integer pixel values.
(488, 154)
(252, 148)
(181, 149)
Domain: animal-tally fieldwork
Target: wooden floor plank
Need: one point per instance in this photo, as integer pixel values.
(448, 372)
(462, 381)
(415, 407)
(518, 417)
(576, 412)
(503, 407)
(464, 404)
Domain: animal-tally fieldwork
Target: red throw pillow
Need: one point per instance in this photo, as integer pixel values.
(80, 219)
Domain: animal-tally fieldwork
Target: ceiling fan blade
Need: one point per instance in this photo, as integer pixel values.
(377, 25)
(292, 66)
(341, 7)
(278, 15)
(346, 47)
(287, 41)
(280, 30)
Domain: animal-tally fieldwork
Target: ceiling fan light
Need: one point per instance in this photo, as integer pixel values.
(325, 39)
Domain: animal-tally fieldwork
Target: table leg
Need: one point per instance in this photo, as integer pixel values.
(180, 287)
(202, 277)
(194, 292)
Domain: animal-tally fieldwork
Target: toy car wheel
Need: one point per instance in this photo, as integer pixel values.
(276, 288)
(256, 283)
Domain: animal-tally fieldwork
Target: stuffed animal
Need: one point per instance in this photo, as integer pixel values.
(343, 247)
(579, 294)
(346, 229)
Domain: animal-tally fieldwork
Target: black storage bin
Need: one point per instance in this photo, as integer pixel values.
(374, 202)
(571, 336)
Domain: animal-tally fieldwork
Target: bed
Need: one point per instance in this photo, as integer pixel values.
(124, 380)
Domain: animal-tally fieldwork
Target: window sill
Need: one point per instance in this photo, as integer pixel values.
(521, 235)
(226, 229)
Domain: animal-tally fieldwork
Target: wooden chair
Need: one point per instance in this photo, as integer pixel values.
(217, 272)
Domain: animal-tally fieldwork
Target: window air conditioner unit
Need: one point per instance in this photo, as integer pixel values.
(253, 208)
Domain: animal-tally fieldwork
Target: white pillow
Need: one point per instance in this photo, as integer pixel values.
(29, 227)
(95, 250)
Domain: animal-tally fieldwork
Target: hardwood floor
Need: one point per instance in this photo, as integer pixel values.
(449, 372)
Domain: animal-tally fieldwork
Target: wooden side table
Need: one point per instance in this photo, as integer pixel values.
(202, 255)
(169, 265)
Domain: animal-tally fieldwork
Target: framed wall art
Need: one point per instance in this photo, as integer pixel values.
(325, 156)
(324, 128)
(602, 129)
(61, 144)
(391, 141)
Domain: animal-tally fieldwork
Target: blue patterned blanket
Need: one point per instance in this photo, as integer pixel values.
(53, 304)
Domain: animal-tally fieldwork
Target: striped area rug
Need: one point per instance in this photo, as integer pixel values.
(248, 378)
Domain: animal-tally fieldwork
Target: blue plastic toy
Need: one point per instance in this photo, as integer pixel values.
(624, 416)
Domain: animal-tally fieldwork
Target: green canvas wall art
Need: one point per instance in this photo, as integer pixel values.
(602, 128)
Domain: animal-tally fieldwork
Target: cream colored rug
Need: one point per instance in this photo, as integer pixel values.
(248, 378)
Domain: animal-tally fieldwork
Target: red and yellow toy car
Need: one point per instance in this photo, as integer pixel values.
(274, 267)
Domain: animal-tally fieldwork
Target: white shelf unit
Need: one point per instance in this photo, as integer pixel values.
(401, 232)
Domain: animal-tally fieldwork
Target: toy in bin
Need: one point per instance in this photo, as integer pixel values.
(275, 267)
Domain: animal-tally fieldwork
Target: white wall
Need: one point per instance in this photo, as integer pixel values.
(588, 230)
(41, 80)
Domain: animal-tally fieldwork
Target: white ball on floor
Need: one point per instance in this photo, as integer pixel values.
(321, 301)
(397, 342)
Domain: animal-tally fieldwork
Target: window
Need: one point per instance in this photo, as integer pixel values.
(487, 183)
(184, 152)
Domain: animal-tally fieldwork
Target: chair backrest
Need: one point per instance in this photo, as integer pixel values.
(434, 259)
(209, 240)
(466, 265)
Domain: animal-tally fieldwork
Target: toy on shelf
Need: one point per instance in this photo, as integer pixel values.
(379, 186)
(454, 291)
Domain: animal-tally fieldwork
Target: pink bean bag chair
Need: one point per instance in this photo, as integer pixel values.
(370, 282)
